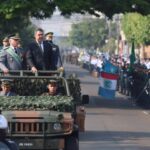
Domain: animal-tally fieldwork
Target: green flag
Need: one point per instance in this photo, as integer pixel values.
(132, 57)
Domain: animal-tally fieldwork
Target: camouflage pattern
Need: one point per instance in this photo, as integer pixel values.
(57, 103)
(41, 122)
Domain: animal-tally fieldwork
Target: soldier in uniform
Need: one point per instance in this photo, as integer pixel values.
(56, 58)
(6, 88)
(38, 56)
(52, 89)
(5, 42)
(11, 57)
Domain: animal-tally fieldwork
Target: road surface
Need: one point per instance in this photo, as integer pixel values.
(111, 124)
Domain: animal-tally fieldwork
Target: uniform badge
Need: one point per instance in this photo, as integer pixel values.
(54, 48)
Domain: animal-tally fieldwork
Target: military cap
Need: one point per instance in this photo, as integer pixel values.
(6, 39)
(14, 36)
(6, 82)
(52, 81)
(49, 34)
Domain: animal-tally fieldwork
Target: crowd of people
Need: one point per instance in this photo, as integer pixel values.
(95, 62)
(133, 81)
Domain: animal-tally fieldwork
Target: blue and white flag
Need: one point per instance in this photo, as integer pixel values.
(108, 84)
(110, 68)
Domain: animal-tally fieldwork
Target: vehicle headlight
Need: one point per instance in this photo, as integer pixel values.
(57, 126)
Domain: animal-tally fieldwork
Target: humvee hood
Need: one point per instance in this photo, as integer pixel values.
(34, 116)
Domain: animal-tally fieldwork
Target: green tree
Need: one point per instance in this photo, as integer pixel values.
(136, 26)
(110, 46)
(21, 25)
(89, 34)
(45, 8)
(147, 36)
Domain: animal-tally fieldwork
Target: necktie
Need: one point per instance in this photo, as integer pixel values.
(40, 45)
(15, 50)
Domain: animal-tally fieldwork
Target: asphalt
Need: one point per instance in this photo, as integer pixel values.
(117, 124)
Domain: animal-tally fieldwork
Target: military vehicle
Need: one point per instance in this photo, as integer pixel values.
(43, 122)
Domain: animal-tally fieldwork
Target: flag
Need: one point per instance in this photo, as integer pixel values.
(132, 57)
(110, 68)
(108, 84)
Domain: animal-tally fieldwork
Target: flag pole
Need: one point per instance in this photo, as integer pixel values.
(132, 55)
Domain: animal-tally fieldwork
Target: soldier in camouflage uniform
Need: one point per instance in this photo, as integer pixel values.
(6, 88)
(52, 89)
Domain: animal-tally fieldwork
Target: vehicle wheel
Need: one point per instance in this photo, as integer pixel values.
(71, 143)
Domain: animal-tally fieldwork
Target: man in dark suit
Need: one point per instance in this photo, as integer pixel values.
(38, 56)
(11, 58)
(56, 58)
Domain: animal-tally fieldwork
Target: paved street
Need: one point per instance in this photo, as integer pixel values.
(111, 124)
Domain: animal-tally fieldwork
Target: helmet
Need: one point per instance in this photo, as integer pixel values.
(3, 122)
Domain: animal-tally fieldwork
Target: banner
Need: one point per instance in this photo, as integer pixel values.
(108, 84)
(132, 57)
(110, 68)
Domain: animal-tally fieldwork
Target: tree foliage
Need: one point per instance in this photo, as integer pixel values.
(89, 34)
(13, 12)
(110, 46)
(138, 28)
(21, 25)
(44, 8)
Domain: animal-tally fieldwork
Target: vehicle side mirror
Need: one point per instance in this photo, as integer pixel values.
(85, 99)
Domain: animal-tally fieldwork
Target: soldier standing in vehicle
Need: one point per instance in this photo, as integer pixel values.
(11, 57)
(56, 58)
(6, 88)
(39, 55)
(5, 42)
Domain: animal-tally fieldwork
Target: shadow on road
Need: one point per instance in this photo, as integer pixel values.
(117, 103)
(114, 140)
(113, 136)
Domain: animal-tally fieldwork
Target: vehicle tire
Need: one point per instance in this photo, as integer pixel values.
(71, 143)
